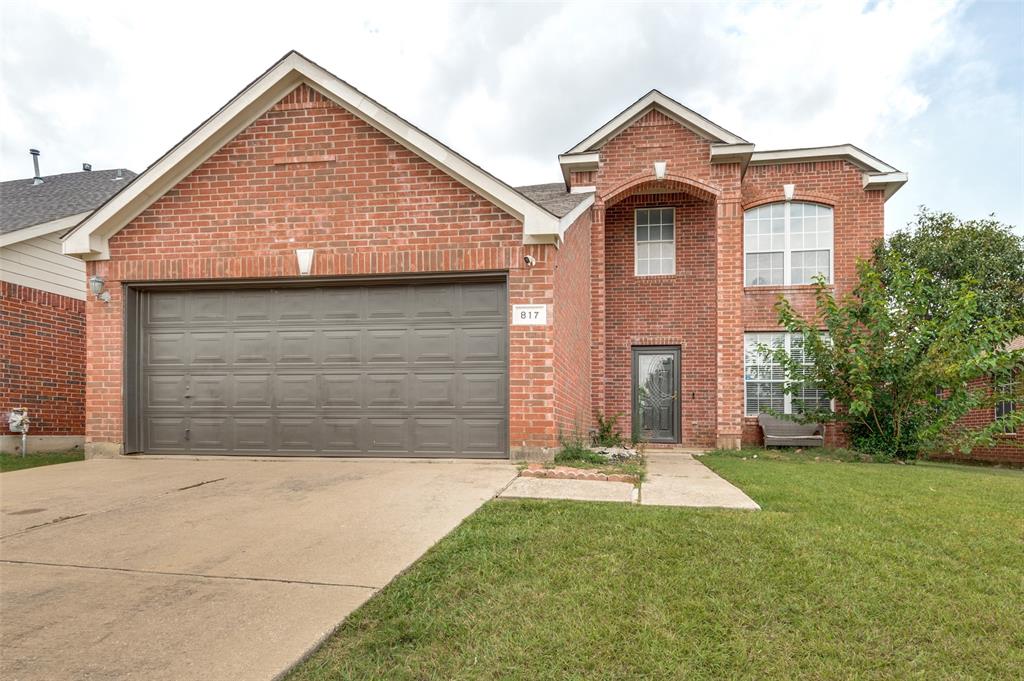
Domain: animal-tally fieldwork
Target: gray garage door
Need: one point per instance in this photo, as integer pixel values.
(396, 370)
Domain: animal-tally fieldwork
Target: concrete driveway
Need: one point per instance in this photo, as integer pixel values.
(208, 569)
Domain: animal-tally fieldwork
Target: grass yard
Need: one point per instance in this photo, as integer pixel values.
(851, 571)
(16, 462)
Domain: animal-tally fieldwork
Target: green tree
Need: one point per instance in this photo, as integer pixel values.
(903, 375)
(952, 250)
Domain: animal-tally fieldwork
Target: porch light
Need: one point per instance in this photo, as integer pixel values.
(789, 190)
(96, 284)
(659, 169)
(305, 259)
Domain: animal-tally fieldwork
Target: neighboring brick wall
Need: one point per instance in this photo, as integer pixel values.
(309, 174)
(674, 310)
(42, 359)
(572, 333)
(1009, 448)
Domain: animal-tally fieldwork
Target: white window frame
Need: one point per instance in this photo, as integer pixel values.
(636, 250)
(787, 398)
(787, 250)
(1006, 406)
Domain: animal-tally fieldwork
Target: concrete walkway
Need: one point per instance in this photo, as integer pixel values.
(674, 478)
(678, 479)
(217, 569)
(573, 490)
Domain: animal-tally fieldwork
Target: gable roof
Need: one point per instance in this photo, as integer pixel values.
(654, 99)
(24, 204)
(89, 239)
(554, 197)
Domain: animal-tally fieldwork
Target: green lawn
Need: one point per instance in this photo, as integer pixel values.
(851, 571)
(14, 462)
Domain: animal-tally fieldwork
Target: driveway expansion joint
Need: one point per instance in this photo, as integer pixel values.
(186, 574)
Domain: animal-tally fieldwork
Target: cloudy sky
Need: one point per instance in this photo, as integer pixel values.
(936, 89)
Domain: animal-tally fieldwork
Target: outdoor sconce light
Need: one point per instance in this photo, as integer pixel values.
(789, 190)
(305, 259)
(97, 285)
(659, 169)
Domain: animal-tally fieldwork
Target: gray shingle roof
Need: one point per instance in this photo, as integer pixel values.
(553, 197)
(23, 204)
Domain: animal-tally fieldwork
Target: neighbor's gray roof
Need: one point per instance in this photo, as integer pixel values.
(553, 197)
(23, 204)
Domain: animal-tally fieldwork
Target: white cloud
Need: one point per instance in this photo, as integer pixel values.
(508, 85)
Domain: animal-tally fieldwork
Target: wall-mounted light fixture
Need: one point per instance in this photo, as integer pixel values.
(789, 190)
(97, 286)
(305, 259)
(659, 169)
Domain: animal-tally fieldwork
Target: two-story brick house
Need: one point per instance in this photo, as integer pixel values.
(308, 273)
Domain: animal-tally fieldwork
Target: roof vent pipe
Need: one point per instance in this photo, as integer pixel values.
(118, 176)
(36, 179)
(86, 167)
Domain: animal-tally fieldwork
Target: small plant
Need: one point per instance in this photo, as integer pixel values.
(607, 434)
(575, 450)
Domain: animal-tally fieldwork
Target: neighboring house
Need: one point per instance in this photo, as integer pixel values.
(446, 313)
(42, 304)
(1009, 447)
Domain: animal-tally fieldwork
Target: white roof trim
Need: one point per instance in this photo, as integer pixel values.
(654, 99)
(42, 229)
(731, 153)
(889, 183)
(89, 239)
(855, 155)
(564, 223)
(578, 162)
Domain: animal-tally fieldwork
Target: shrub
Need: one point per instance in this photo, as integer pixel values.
(574, 450)
(607, 433)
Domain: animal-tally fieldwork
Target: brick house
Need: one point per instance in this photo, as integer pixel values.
(308, 273)
(42, 304)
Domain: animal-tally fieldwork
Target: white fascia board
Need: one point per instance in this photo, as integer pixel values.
(682, 115)
(564, 223)
(42, 229)
(889, 183)
(89, 239)
(578, 163)
(731, 153)
(849, 152)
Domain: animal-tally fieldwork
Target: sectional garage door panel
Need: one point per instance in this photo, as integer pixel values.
(396, 370)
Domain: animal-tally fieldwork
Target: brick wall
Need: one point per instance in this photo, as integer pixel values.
(706, 305)
(859, 222)
(42, 359)
(674, 310)
(309, 174)
(572, 332)
(1009, 448)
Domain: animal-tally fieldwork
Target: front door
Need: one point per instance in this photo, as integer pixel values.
(656, 394)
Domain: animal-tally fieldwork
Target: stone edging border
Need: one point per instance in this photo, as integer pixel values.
(537, 470)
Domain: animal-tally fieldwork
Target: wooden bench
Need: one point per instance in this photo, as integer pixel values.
(784, 433)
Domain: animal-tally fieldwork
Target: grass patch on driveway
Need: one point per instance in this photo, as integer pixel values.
(16, 462)
(863, 571)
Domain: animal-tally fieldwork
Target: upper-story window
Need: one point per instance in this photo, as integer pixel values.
(655, 241)
(787, 243)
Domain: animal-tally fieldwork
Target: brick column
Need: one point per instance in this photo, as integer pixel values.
(729, 316)
(597, 307)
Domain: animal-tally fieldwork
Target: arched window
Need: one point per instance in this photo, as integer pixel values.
(787, 243)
